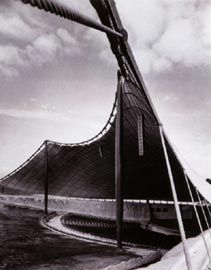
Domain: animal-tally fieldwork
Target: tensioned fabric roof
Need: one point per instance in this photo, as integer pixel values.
(88, 169)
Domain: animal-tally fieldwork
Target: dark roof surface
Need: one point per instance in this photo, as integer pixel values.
(88, 169)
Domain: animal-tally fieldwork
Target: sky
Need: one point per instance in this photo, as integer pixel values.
(58, 78)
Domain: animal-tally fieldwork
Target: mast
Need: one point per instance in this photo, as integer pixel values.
(119, 160)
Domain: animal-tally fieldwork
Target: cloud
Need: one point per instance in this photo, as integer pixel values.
(180, 44)
(37, 114)
(10, 59)
(70, 44)
(144, 20)
(20, 22)
(66, 37)
(8, 71)
(14, 27)
(26, 42)
(43, 49)
(164, 33)
(10, 55)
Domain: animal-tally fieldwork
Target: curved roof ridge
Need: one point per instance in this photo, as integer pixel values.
(24, 163)
(86, 142)
(99, 134)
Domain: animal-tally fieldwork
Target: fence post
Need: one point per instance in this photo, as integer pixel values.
(119, 162)
(46, 178)
(176, 204)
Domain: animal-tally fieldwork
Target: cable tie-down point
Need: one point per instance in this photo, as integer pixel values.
(124, 34)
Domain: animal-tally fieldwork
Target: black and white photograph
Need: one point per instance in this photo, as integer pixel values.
(105, 134)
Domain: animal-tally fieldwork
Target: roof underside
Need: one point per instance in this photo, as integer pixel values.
(88, 169)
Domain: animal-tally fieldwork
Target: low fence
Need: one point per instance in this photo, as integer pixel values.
(133, 211)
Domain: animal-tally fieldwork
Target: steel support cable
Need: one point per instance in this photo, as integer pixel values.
(132, 112)
(89, 168)
(23, 176)
(151, 138)
(173, 153)
(104, 167)
(25, 188)
(124, 46)
(114, 21)
(57, 155)
(34, 185)
(172, 148)
(136, 109)
(146, 105)
(86, 151)
(83, 153)
(147, 111)
(68, 158)
(197, 217)
(22, 179)
(82, 150)
(207, 213)
(61, 10)
(203, 212)
(178, 154)
(178, 212)
(62, 156)
(29, 171)
(86, 172)
(208, 209)
(93, 139)
(87, 142)
(130, 74)
(32, 156)
(132, 118)
(35, 174)
(32, 173)
(135, 122)
(185, 161)
(39, 173)
(94, 151)
(22, 165)
(54, 161)
(14, 181)
(130, 131)
(182, 189)
(141, 100)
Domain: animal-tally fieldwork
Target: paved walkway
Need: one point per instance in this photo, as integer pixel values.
(25, 245)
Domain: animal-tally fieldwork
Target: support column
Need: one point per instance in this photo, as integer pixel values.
(208, 209)
(176, 204)
(119, 162)
(46, 179)
(197, 217)
(203, 212)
